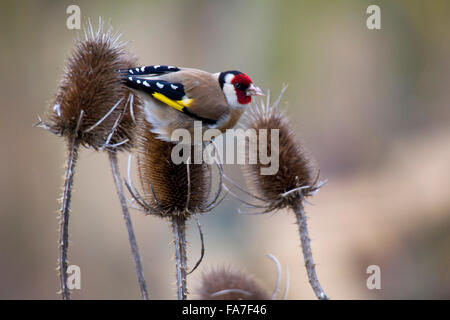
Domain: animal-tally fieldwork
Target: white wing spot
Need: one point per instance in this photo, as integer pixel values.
(137, 69)
(138, 81)
(157, 66)
(174, 87)
(160, 85)
(145, 83)
(170, 67)
(142, 69)
(131, 71)
(130, 78)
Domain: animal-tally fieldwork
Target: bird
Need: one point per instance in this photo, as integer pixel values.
(174, 98)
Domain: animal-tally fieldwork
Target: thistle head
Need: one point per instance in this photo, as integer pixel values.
(168, 188)
(91, 102)
(228, 284)
(294, 178)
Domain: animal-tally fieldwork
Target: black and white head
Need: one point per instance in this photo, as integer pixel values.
(238, 88)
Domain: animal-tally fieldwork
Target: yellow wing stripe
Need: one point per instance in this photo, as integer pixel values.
(177, 104)
(169, 102)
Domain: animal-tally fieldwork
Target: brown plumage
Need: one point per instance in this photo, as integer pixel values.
(295, 167)
(90, 83)
(169, 181)
(227, 284)
(205, 87)
(176, 97)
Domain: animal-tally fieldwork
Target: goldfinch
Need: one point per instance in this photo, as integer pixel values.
(176, 97)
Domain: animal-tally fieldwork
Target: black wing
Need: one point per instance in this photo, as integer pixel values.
(173, 91)
(170, 93)
(146, 70)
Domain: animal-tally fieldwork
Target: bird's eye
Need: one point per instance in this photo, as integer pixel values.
(238, 86)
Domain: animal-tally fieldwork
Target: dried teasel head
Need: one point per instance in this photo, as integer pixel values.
(92, 96)
(224, 283)
(293, 181)
(295, 168)
(170, 189)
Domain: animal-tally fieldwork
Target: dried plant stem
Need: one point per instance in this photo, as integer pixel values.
(306, 248)
(179, 235)
(73, 147)
(126, 216)
(202, 254)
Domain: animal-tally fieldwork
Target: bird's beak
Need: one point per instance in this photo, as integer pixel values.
(253, 90)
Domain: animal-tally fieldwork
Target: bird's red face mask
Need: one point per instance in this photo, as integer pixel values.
(245, 88)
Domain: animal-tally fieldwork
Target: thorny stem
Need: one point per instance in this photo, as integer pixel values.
(179, 235)
(126, 216)
(307, 254)
(73, 146)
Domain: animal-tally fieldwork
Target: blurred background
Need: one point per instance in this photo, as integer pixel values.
(372, 106)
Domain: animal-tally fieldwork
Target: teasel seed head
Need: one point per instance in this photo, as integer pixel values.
(224, 283)
(293, 181)
(173, 190)
(295, 171)
(91, 90)
(170, 189)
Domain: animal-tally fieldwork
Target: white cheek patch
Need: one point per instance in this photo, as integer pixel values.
(228, 78)
(230, 94)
